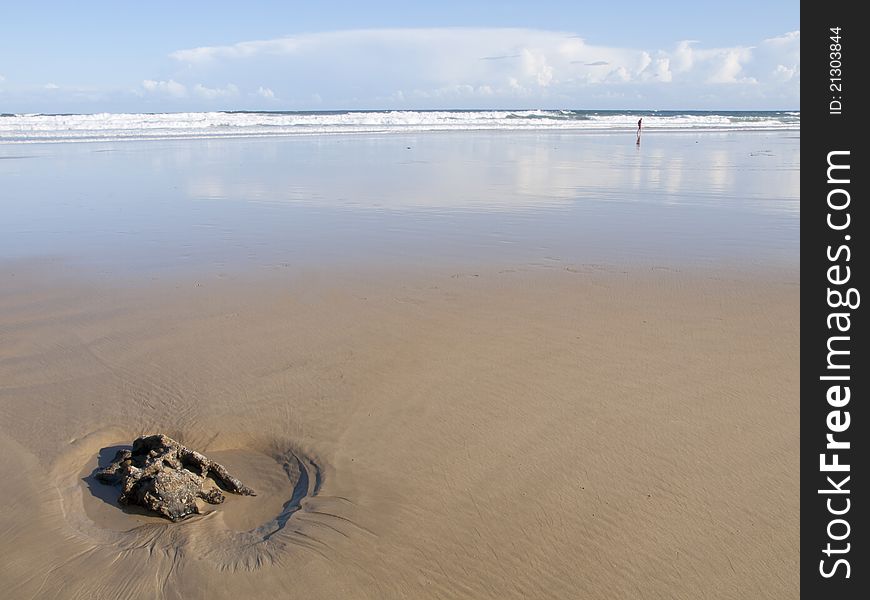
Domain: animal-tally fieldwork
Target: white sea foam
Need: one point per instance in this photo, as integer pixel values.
(108, 126)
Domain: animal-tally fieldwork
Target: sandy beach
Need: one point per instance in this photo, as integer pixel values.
(536, 425)
(538, 434)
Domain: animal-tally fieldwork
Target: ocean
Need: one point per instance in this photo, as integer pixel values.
(30, 128)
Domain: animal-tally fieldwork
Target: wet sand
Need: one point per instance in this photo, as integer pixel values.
(462, 365)
(577, 431)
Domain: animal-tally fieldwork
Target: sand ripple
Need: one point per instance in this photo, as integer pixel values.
(244, 533)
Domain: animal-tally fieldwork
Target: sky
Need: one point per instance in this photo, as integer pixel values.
(160, 56)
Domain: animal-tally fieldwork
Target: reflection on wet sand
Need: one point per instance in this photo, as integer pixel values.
(486, 196)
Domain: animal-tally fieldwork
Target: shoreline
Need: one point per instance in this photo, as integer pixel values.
(620, 131)
(230, 124)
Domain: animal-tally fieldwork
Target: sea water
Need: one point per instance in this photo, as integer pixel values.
(96, 127)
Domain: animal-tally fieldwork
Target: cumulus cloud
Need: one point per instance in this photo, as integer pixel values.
(265, 92)
(179, 91)
(779, 57)
(240, 50)
(452, 68)
(683, 56)
(657, 69)
(709, 65)
(460, 66)
(169, 88)
(207, 93)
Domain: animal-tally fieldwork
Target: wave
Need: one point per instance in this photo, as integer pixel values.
(24, 128)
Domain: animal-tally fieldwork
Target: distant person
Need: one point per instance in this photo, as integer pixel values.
(639, 125)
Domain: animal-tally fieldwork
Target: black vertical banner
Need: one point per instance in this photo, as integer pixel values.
(835, 371)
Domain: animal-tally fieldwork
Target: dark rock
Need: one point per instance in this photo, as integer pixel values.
(166, 477)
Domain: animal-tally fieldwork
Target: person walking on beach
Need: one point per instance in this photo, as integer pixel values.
(639, 122)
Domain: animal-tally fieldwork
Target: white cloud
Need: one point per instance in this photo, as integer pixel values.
(784, 73)
(266, 93)
(450, 68)
(682, 58)
(492, 66)
(437, 57)
(687, 62)
(658, 69)
(240, 50)
(618, 75)
(535, 66)
(170, 88)
(779, 58)
(208, 93)
(728, 66)
(792, 40)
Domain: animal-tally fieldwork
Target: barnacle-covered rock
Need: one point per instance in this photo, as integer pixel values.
(164, 476)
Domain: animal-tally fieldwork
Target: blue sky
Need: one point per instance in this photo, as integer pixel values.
(219, 55)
